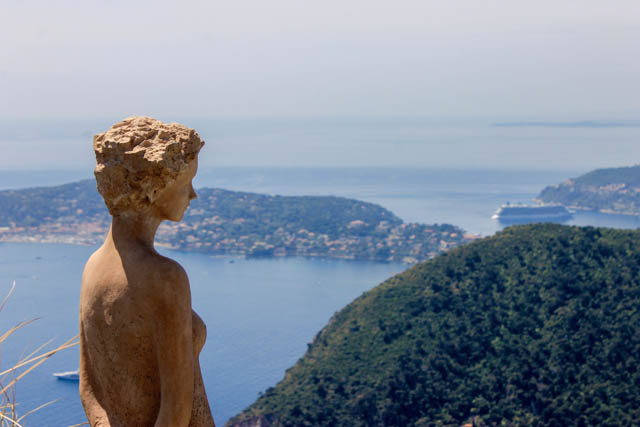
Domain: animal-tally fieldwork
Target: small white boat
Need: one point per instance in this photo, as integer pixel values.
(67, 376)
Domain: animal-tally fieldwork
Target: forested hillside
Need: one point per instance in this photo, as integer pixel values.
(538, 325)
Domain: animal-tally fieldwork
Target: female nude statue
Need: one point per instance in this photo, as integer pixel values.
(139, 338)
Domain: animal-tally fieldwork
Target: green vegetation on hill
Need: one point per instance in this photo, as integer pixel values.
(614, 190)
(31, 207)
(538, 325)
(229, 222)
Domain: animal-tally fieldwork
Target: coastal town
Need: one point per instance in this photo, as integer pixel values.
(408, 243)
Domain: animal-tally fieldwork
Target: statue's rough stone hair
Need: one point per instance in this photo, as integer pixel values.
(138, 157)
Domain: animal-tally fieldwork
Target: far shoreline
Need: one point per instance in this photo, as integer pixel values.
(74, 241)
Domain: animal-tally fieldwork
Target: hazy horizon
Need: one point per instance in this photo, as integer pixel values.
(408, 83)
(343, 142)
(575, 59)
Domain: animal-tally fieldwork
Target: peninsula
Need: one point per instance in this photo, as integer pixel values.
(222, 222)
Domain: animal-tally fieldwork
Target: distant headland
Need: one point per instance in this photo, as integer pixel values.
(611, 190)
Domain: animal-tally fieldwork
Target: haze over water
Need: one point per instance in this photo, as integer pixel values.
(342, 142)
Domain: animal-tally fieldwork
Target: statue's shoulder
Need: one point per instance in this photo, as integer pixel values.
(169, 278)
(169, 268)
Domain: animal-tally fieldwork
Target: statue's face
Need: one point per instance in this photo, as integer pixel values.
(174, 200)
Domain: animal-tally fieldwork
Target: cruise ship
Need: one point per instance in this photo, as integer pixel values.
(521, 213)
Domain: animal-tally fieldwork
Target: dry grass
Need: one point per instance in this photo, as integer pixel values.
(9, 377)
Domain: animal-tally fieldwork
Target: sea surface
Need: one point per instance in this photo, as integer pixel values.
(260, 315)
(471, 143)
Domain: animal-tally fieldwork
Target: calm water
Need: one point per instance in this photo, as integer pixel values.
(260, 315)
(331, 141)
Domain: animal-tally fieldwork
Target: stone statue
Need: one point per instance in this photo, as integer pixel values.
(139, 338)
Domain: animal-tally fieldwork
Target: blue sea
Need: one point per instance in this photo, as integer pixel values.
(261, 313)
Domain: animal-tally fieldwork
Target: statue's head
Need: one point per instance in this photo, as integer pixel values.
(139, 158)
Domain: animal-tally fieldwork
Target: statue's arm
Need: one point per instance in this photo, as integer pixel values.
(174, 347)
(96, 414)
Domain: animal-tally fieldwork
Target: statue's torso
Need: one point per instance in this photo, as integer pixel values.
(119, 358)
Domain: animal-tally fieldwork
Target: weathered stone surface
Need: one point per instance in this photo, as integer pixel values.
(140, 340)
(138, 157)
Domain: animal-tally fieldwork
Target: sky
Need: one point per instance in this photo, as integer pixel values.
(101, 61)
(348, 57)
